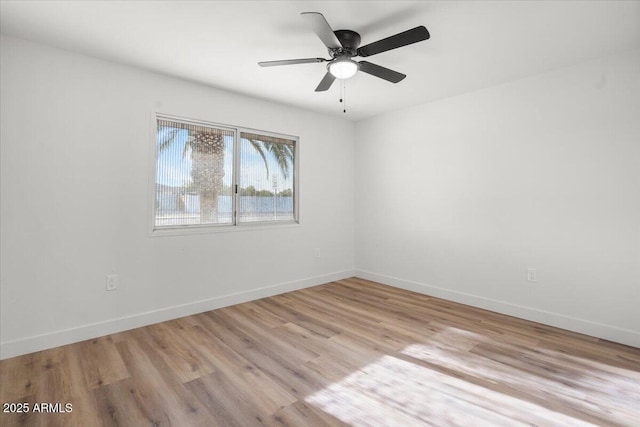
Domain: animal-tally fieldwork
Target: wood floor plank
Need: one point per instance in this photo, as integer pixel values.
(61, 383)
(229, 403)
(322, 345)
(167, 339)
(162, 401)
(101, 362)
(351, 352)
(261, 336)
(303, 414)
(298, 379)
(222, 331)
(366, 328)
(236, 367)
(20, 376)
(265, 317)
(299, 317)
(121, 404)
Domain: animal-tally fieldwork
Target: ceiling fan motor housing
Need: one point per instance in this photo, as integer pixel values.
(350, 40)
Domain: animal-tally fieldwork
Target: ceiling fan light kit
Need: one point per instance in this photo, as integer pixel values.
(343, 45)
(343, 68)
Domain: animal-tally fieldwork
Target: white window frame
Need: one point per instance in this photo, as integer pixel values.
(235, 225)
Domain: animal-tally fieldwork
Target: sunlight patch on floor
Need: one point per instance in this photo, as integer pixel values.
(395, 392)
(547, 377)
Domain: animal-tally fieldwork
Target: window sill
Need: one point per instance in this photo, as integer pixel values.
(226, 228)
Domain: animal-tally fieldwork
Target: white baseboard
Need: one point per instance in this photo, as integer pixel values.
(93, 330)
(599, 330)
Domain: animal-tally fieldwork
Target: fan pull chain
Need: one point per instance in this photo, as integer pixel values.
(343, 95)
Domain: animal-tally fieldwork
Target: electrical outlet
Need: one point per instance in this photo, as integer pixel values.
(532, 275)
(317, 252)
(112, 282)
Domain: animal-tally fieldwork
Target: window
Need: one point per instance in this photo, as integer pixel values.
(213, 175)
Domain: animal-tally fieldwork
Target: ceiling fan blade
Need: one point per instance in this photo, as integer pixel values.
(382, 72)
(323, 30)
(326, 82)
(291, 62)
(405, 38)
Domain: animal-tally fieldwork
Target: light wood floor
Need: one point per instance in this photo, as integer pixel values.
(351, 352)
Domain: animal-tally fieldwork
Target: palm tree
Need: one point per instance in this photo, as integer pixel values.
(207, 153)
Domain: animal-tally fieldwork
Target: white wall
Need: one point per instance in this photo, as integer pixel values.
(457, 198)
(75, 141)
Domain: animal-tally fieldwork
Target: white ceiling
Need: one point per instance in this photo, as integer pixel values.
(474, 44)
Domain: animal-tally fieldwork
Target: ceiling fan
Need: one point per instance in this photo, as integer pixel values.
(343, 45)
